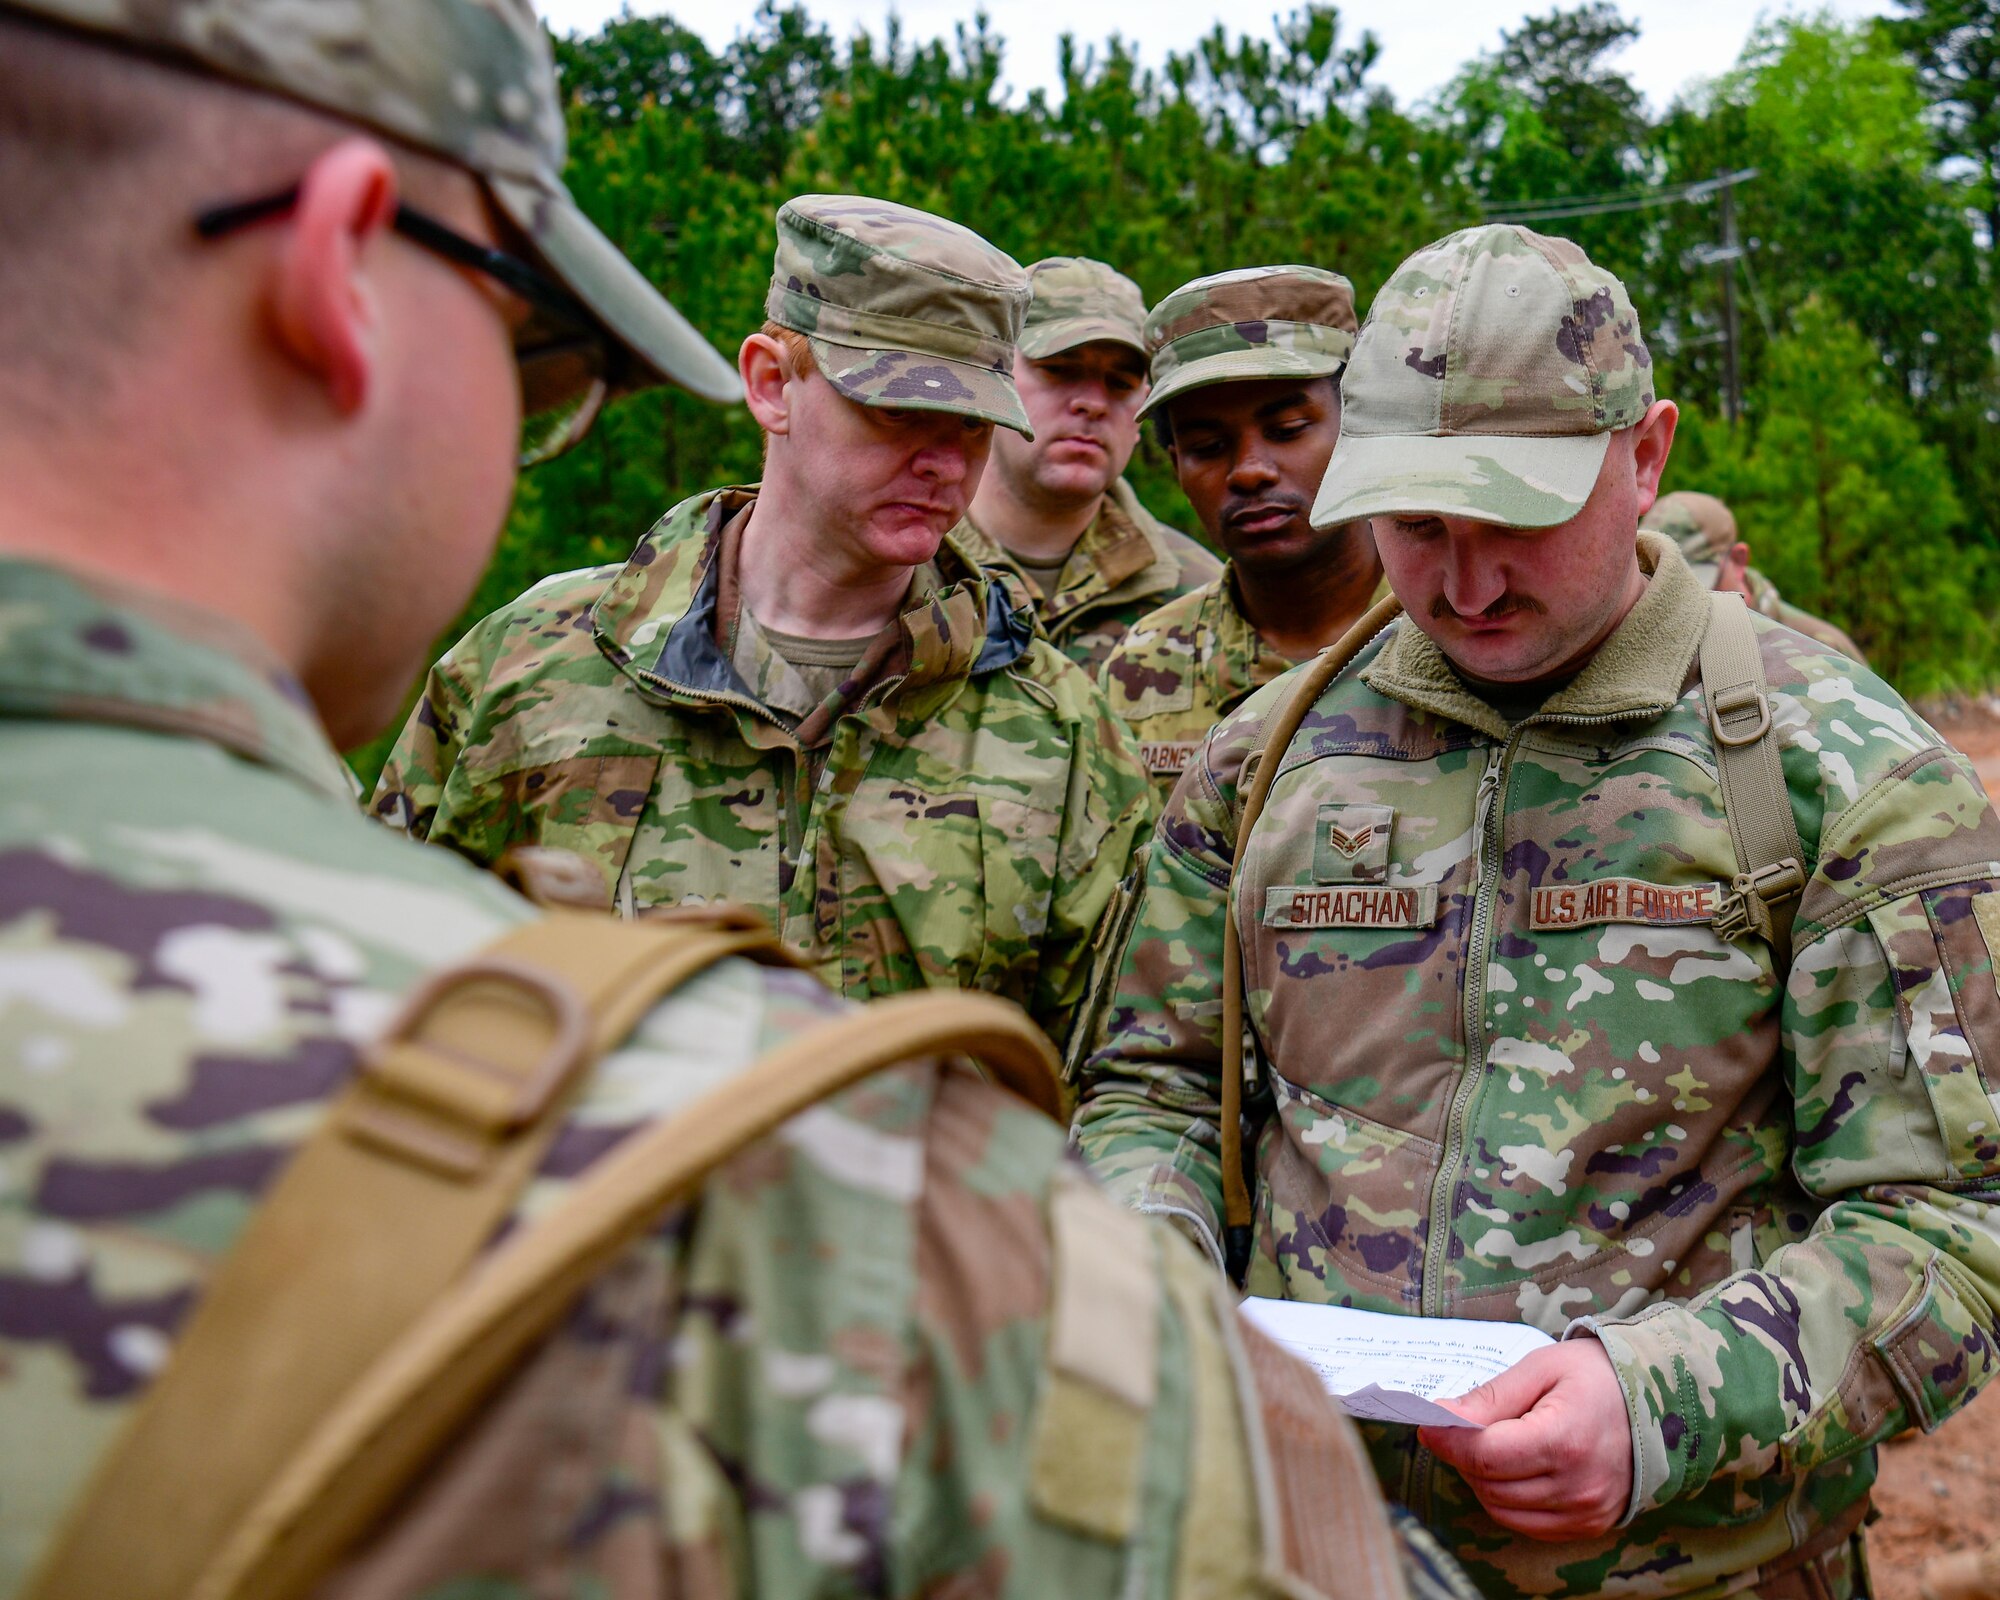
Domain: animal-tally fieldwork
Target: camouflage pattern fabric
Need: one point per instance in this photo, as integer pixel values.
(1492, 371)
(830, 1376)
(1181, 670)
(1076, 301)
(902, 309)
(1705, 529)
(472, 81)
(1126, 563)
(1255, 322)
(961, 822)
(1513, 1073)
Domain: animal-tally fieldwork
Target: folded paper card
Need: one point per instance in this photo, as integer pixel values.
(1395, 1369)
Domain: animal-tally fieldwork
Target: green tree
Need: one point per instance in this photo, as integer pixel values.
(1955, 45)
(1847, 508)
(1548, 116)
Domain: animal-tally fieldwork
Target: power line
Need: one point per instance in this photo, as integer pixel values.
(1556, 210)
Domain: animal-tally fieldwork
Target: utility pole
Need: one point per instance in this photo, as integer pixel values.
(1732, 372)
(1724, 254)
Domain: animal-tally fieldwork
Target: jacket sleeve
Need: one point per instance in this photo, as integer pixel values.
(411, 787)
(1107, 816)
(1148, 1117)
(1883, 1314)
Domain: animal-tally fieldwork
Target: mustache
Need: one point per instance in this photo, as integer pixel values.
(1505, 606)
(1234, 509)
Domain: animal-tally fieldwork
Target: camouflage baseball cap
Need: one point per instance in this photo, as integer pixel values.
(1494, 367)
(469, 80)
(902, 309)
(1700, 524)
(1255, 322)
(1080, 301)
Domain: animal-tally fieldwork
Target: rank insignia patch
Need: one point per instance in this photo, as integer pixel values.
(1351, 844)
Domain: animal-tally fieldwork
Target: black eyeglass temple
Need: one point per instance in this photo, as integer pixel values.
(433, 235)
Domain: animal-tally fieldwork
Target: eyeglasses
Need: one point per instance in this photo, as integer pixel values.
(563, 358)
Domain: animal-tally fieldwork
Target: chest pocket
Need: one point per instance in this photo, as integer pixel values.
(1144, 692)
(942, 890)
(588, 805)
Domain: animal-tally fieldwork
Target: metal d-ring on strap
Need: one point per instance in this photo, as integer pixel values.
(1770, 874)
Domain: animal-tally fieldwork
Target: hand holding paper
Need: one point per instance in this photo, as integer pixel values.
(1552, 1458)
(1394, 1369)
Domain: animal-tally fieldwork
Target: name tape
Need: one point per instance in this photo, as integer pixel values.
(1371, 905)
(1164, 757)
(1578, 905)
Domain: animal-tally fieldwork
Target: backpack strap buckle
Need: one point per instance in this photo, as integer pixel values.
(451, 1103)
(1746, 907)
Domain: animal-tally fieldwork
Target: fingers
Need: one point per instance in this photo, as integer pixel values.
(1513, 1393)
(1528, 1447)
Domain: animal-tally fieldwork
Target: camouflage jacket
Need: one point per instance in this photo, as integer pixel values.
(1513, 1073)
(1181, 670)
(856, 1366)
(1126, 563)
(965, 822)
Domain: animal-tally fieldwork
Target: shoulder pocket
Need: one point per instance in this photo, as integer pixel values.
(1940, 945)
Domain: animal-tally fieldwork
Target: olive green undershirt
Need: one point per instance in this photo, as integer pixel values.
(1046, 576)
(823, 665)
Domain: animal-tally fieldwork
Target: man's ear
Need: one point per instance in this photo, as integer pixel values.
(322, 305)
(765, 372)
(1652, 443)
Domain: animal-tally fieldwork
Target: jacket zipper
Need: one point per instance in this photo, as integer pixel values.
(1489, 822)
(795, 812)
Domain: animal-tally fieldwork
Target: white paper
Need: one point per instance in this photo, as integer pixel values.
(1394, 1369)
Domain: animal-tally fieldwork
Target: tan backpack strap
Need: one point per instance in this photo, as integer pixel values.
(384, 1431)
(1770, 863)
(405, 1180)
(1254, 786)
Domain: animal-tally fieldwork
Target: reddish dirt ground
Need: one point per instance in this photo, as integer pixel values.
(1936, 1493)
(1942, 1492)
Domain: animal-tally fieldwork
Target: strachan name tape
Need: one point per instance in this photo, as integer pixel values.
(1371, 905)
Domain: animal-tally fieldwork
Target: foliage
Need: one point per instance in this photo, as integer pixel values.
(1955, 46)
(1849, 511)
(1867, 460)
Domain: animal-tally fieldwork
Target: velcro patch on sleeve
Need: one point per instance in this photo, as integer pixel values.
(1168, 758)
(1356, 905)
(1656, 905)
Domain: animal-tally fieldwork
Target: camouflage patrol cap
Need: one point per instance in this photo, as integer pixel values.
(1078, 301)
(1494, 367)
(1700, 524)
(1255, 322)
(469, 80)
(902, 309)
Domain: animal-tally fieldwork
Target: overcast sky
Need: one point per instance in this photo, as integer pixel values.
(1423, 41)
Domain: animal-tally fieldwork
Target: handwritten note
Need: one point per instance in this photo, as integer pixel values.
(1395, 1369)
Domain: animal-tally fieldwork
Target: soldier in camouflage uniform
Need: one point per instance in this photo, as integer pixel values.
(1510, 1068)
(951, 804)
(1246, 369)
(1705, 530)
(846, 1369)
(1053, 513)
